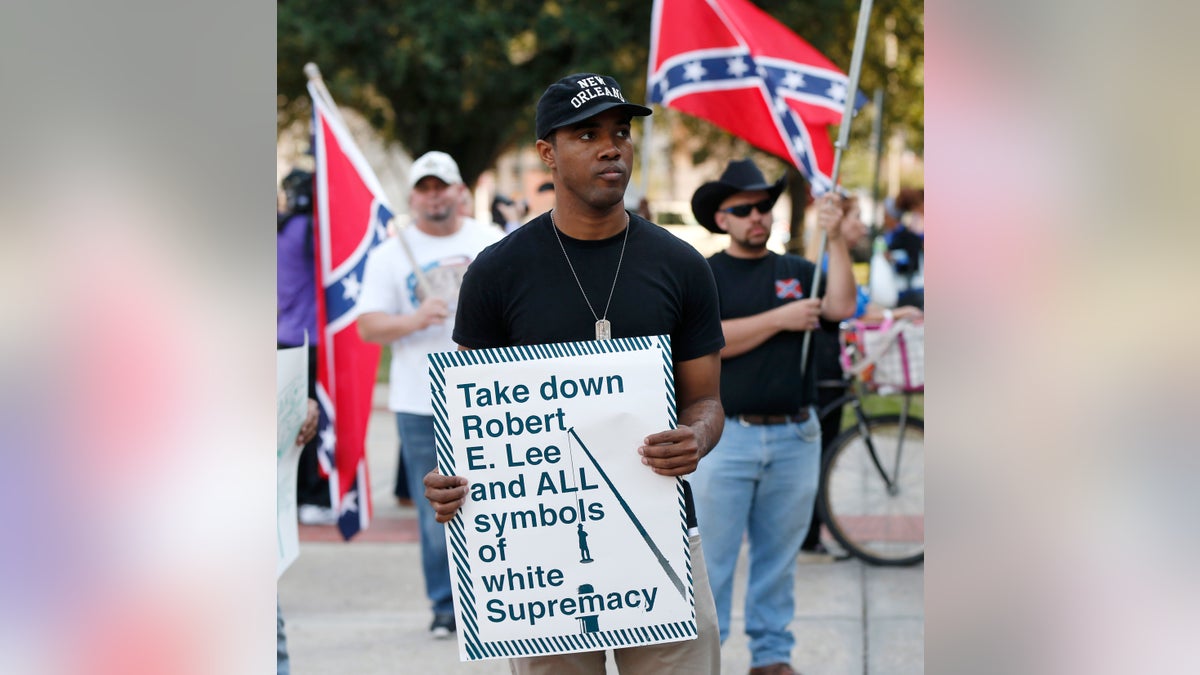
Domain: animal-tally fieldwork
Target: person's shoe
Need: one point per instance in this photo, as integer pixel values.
(311, 514)
(774, 669)
(821, 554)
(442, 626)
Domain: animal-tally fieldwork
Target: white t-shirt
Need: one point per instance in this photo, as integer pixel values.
(390, 286)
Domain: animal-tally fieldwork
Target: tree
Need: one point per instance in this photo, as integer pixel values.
(464, 76)
(461, 76)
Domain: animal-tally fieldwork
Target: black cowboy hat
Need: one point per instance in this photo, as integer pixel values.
(740, 176)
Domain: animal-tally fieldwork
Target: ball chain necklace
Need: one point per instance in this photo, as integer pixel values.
(603, 327)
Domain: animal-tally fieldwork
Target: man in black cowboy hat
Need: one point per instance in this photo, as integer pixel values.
(762, 476)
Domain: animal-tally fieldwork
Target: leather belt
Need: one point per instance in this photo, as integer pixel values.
(747, 420)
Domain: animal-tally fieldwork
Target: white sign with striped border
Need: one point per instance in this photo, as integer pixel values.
(567, 542)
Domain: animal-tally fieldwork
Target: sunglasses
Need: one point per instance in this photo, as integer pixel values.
(742, 210)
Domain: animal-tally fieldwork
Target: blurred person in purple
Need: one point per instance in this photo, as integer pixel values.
(296, 319)
(408, 300)
(760, 481)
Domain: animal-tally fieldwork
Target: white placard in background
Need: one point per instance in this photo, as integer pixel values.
(567, 541)
(291, 405)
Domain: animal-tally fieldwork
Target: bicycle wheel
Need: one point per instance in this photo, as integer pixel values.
(881, 525)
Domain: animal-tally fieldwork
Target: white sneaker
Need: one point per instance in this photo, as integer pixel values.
(311, 514)
(821, 554)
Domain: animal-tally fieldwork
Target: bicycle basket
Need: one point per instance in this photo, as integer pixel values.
(885, 356)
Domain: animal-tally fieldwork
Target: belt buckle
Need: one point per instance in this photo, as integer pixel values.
(742, 420)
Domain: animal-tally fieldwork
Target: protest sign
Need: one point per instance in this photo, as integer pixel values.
(291, 404)
(566, 542)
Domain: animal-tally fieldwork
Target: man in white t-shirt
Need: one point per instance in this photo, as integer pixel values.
(413, 311)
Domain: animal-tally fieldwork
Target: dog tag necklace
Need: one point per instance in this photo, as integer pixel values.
(603, 327)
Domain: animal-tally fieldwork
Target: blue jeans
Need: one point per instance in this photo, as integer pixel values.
(419, 457)
(760, 480)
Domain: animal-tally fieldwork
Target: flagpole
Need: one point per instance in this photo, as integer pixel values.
(314, 77)
(860, 39)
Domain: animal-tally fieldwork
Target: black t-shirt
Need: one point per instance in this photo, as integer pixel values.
(520, 290)
(765, 380)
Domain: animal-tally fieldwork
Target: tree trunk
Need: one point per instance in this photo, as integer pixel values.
(798, 193)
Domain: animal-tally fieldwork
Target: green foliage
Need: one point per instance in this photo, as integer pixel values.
(464, 76)
(461, 76)
(877, 406)
(383, 373)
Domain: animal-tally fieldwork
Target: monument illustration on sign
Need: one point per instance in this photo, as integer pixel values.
(585, 554)
(566, 542)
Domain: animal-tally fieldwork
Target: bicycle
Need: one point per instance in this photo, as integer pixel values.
(872, 494)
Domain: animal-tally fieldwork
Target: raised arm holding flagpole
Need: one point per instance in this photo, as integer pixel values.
(732, 64)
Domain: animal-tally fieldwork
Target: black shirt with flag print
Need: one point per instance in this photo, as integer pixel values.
(765, 380)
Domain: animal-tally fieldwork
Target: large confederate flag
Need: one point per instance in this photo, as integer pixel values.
(730, 63)
(351, 218)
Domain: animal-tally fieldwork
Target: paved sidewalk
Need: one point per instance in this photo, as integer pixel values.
(360, 608)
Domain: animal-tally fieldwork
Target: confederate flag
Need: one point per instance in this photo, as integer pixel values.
(730, 63)
(351, 218)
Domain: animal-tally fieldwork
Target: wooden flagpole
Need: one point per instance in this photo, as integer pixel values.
(314, 77)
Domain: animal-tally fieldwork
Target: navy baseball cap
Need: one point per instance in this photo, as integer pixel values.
(578, 97)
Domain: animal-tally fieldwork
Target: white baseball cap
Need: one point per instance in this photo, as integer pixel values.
(437, 164)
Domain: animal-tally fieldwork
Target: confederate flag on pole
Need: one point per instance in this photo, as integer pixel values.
(730, 63)
(351, 218)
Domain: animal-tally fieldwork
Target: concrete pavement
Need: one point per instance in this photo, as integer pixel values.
(360, 608)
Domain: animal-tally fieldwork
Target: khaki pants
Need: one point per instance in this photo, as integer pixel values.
(689, 657)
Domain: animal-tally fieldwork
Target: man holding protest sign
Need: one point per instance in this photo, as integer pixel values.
(762, 478)
(588, 270)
